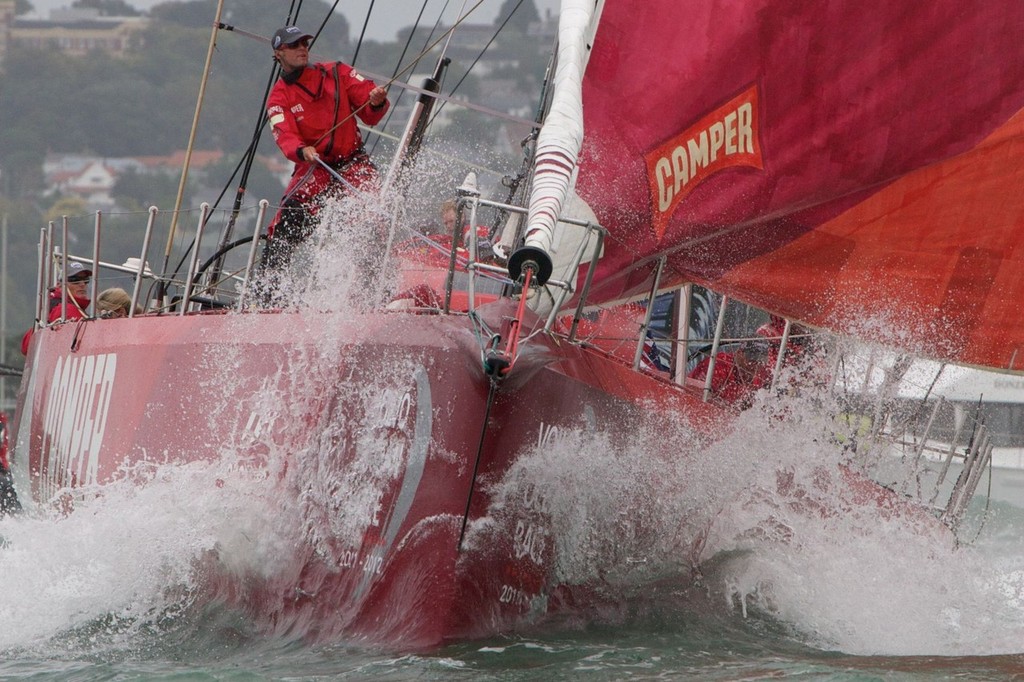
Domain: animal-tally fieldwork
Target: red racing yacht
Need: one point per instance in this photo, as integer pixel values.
(850, 167)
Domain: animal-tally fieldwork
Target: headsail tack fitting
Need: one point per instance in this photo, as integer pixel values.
(533, 260)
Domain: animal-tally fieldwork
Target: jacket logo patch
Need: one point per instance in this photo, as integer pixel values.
(297, 108)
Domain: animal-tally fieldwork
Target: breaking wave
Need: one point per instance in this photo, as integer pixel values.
(770, 522)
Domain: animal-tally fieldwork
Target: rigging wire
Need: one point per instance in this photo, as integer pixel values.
(323, 23)
(445, 99)
(441, 155)
(385, 80)
(398, 99)
(250, 153)
(398, 64)
(249, 157)
(408, 41)
(388, 82)
(297, 7)
(393, 80)
(477, 59)
(366, 22)
(183, 179)
(492, 392)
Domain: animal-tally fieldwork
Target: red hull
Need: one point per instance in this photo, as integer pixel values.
(396, 401)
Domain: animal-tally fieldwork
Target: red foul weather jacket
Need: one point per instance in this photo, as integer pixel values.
(75, 311)
(314, 107)
(727, 382)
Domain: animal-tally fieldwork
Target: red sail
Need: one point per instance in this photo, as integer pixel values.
(855, 166)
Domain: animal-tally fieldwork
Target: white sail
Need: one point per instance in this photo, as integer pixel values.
(560, 138)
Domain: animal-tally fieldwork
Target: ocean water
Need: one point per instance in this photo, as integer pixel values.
(115, 591)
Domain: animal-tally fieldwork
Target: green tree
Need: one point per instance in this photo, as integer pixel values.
(22, 7)
(25, 139)
(136, 191)
(523, 13)
(66, 206)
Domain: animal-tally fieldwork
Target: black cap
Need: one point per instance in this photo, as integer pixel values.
(289, 35)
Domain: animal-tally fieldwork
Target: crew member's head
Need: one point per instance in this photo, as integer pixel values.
(291, 48)
(79, 277)
(773, 328)
(448, 215)
(113, 302)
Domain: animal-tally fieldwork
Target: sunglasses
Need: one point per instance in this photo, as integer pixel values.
(80, 281)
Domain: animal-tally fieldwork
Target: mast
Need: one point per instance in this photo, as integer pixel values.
(415, 129)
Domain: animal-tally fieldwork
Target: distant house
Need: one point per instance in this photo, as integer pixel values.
(93, 178)
(172, 164)
(92, 182)
(74, 32)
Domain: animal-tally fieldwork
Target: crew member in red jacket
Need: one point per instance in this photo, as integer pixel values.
(738, 374)
(8, 496)
(312, 110)
(79, 277)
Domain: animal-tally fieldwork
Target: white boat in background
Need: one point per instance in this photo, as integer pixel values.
(938, 419)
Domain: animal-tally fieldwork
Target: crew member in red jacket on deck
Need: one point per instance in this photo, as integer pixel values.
(737, 375)
(312, 110)
(79, 277)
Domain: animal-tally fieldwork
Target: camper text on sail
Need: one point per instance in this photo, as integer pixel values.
(724, 138)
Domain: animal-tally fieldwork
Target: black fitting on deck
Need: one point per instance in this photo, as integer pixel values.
(496, 363)
(530, 257)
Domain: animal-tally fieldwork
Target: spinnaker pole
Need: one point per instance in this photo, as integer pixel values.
(416, 128)
(191, 142)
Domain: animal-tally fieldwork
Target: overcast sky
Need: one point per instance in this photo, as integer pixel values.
(388, 15)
